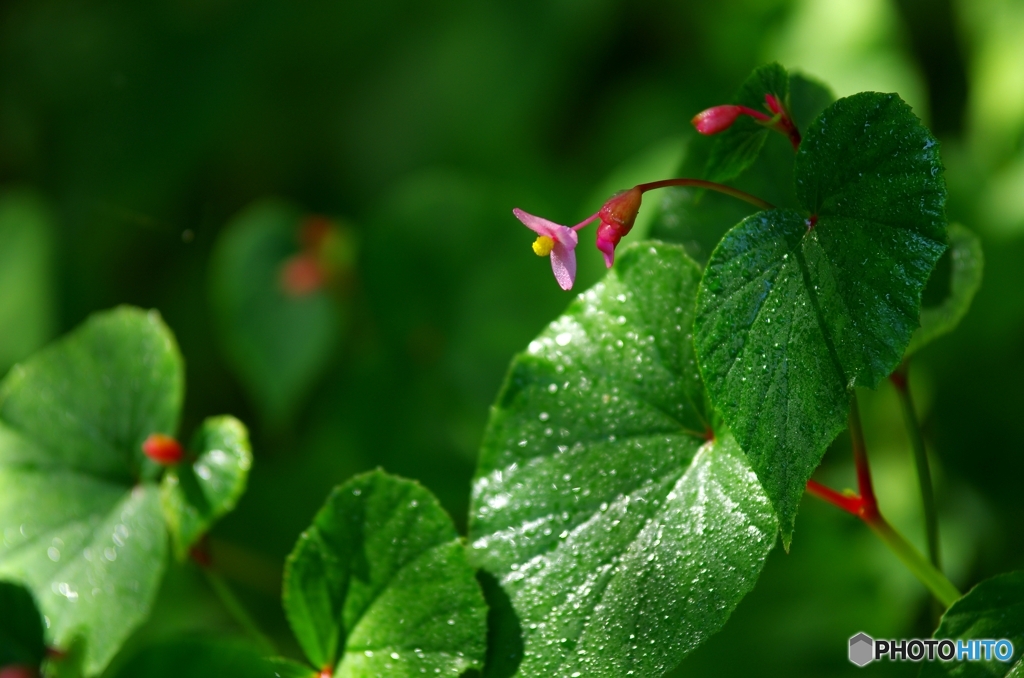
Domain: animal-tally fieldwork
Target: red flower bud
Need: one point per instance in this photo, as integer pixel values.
(716, 119)
(617, 217)
(162, 449)
(17, 671)
(301, 275)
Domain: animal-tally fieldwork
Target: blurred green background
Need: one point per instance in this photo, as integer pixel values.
(134, 134)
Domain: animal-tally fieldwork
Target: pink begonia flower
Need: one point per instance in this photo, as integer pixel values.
(557, 241)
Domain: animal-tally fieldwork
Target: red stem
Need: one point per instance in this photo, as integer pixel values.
(709, 185)
(863, 505)
(850, 504)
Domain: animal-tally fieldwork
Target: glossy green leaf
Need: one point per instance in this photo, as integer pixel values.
(197, 658)
(789, 317)
(277, 343)
(21, 628)
(26, 276)
(623, 536)
(968, 262)
(379, 585)
(196, 494)
(992, 609)
(78, 527)
(736, 148)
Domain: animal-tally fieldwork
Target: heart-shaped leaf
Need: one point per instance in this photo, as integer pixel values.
(796, 308)
(21, 628)
(195, 495)
(379, 585)
(993, 609)
(736, 148)
(26, 276)
(80, 513)
(79, 529)
(276, 340)
(624, 531)
(968, 262)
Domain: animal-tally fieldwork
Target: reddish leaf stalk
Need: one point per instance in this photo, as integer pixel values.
(865, 507)
(711, 186)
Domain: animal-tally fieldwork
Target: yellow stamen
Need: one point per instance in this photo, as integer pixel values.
(543, 245)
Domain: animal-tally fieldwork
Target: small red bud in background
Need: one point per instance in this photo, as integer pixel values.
(161, 449)
(314, 230)
(301, 275)
(716, 119)
(18, 671)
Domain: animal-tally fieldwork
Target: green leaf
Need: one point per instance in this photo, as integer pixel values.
(197, 658)
(21, 628)
(26, 276)
(808, 98)
(78, 527)
(735, 149)
(992, 609)
(790, 317)
(277, 343)
(197, 494)
(379, 585)
(623, 536)
(968, 262)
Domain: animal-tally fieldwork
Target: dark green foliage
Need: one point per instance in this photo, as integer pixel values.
(26, 275)
(795, 308)
(992, 609)
(197, 658)
(21, 627)
(276, 342)
(622, 534)
(736, 148)
(380, 586)
(968, 262)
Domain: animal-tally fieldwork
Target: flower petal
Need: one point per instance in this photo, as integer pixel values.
(563, 265)
(539, 225)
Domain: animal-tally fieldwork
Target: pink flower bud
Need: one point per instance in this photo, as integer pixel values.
(301, 275)
(17, 671)
(617, 217)
(162, 449)
(716, 119)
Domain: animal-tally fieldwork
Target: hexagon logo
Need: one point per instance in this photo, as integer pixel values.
(862, 649)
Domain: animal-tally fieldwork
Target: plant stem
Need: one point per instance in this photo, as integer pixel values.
(900, 380)
(711, 186)
(865, 507)
(937, 583)
(869, 509)
(237, 611)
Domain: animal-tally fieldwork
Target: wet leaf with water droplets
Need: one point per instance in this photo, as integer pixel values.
(623, 537)
(379, 585)
(196, 494)
(76, 525)
(993, 609)
(792, 312)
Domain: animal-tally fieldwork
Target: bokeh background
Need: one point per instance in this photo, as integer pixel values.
(169, 154)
